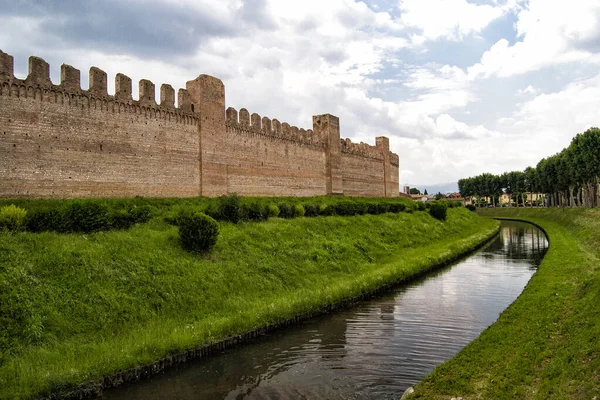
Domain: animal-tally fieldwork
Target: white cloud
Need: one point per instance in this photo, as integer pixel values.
(528, 90)
(449, 19)
(551, 32)
(448, 127)
(560, 115)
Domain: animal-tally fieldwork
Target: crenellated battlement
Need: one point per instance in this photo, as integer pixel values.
(63, 141)
(244, 122)
(38, 86)
(361, 149)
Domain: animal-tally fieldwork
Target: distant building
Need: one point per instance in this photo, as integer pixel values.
(422, 197)
(529, 198)
(455, 197)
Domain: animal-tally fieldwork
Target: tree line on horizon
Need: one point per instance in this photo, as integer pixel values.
(570, 178)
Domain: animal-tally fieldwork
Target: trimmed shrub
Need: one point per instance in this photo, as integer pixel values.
(311, 210)
(454, 203)
(422, 206)
(171, 216)
(212, 210)
(126, 218)
(326, 210)
(376, 208)
(471, 207)
(396, 207)
(141, 214)
(255, 211)
(345, 208)
(43, 220)
(120, 219)
(198, 232)
(228, 208)
(285, 210)
(87, 216)
(439, 210)
(273, 211)
(12, 218)
(361, 208)
(299, 210)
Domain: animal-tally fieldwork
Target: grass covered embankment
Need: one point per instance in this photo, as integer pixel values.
(76, 307)
(547, 343)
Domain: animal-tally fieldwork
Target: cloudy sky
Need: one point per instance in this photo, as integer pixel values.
(460, 87)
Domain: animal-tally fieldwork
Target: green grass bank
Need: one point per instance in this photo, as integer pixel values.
(77, 307)
(546, 345)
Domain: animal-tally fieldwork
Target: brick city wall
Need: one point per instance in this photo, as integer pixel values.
(62, 141)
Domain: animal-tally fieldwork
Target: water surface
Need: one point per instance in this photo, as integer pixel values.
(374, 350)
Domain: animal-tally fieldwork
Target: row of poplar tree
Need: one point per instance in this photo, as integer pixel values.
(570, 178)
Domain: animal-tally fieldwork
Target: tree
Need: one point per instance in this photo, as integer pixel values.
(570, 178)
(439, 196)
(466, 187)
(414, 191)
(530, 182)
(425, 192)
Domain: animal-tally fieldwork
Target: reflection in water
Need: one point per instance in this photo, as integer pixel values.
(374, 350)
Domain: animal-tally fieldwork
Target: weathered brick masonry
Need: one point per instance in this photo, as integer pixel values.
(62, 141)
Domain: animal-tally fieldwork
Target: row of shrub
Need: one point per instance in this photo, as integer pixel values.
(232, 208)
(94, 215)
(198, 232)
(83, 216)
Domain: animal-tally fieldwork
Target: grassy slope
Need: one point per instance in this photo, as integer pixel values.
(84, 306)
(547, 343)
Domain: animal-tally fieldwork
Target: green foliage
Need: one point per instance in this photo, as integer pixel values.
(285, 210)
(421, 206)
(229, 208)
(439, 210)
(141, 214)
(453, 203)
(273, 211)
(51, 215)
(127, 217)
(256, 211)
(397, 207)
(87, 216)
(414, 191)
(347, 208)
(12, 218)
(45, 219)
(299, 210)
(377, 208)
(79, 307)
(311, 210)
(471, 207)
(197, 231)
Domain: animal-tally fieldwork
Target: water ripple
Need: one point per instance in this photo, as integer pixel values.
(374, 350)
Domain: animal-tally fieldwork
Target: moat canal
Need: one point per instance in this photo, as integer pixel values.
(374, 350)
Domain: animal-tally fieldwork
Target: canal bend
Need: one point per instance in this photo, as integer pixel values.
(374, 350)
